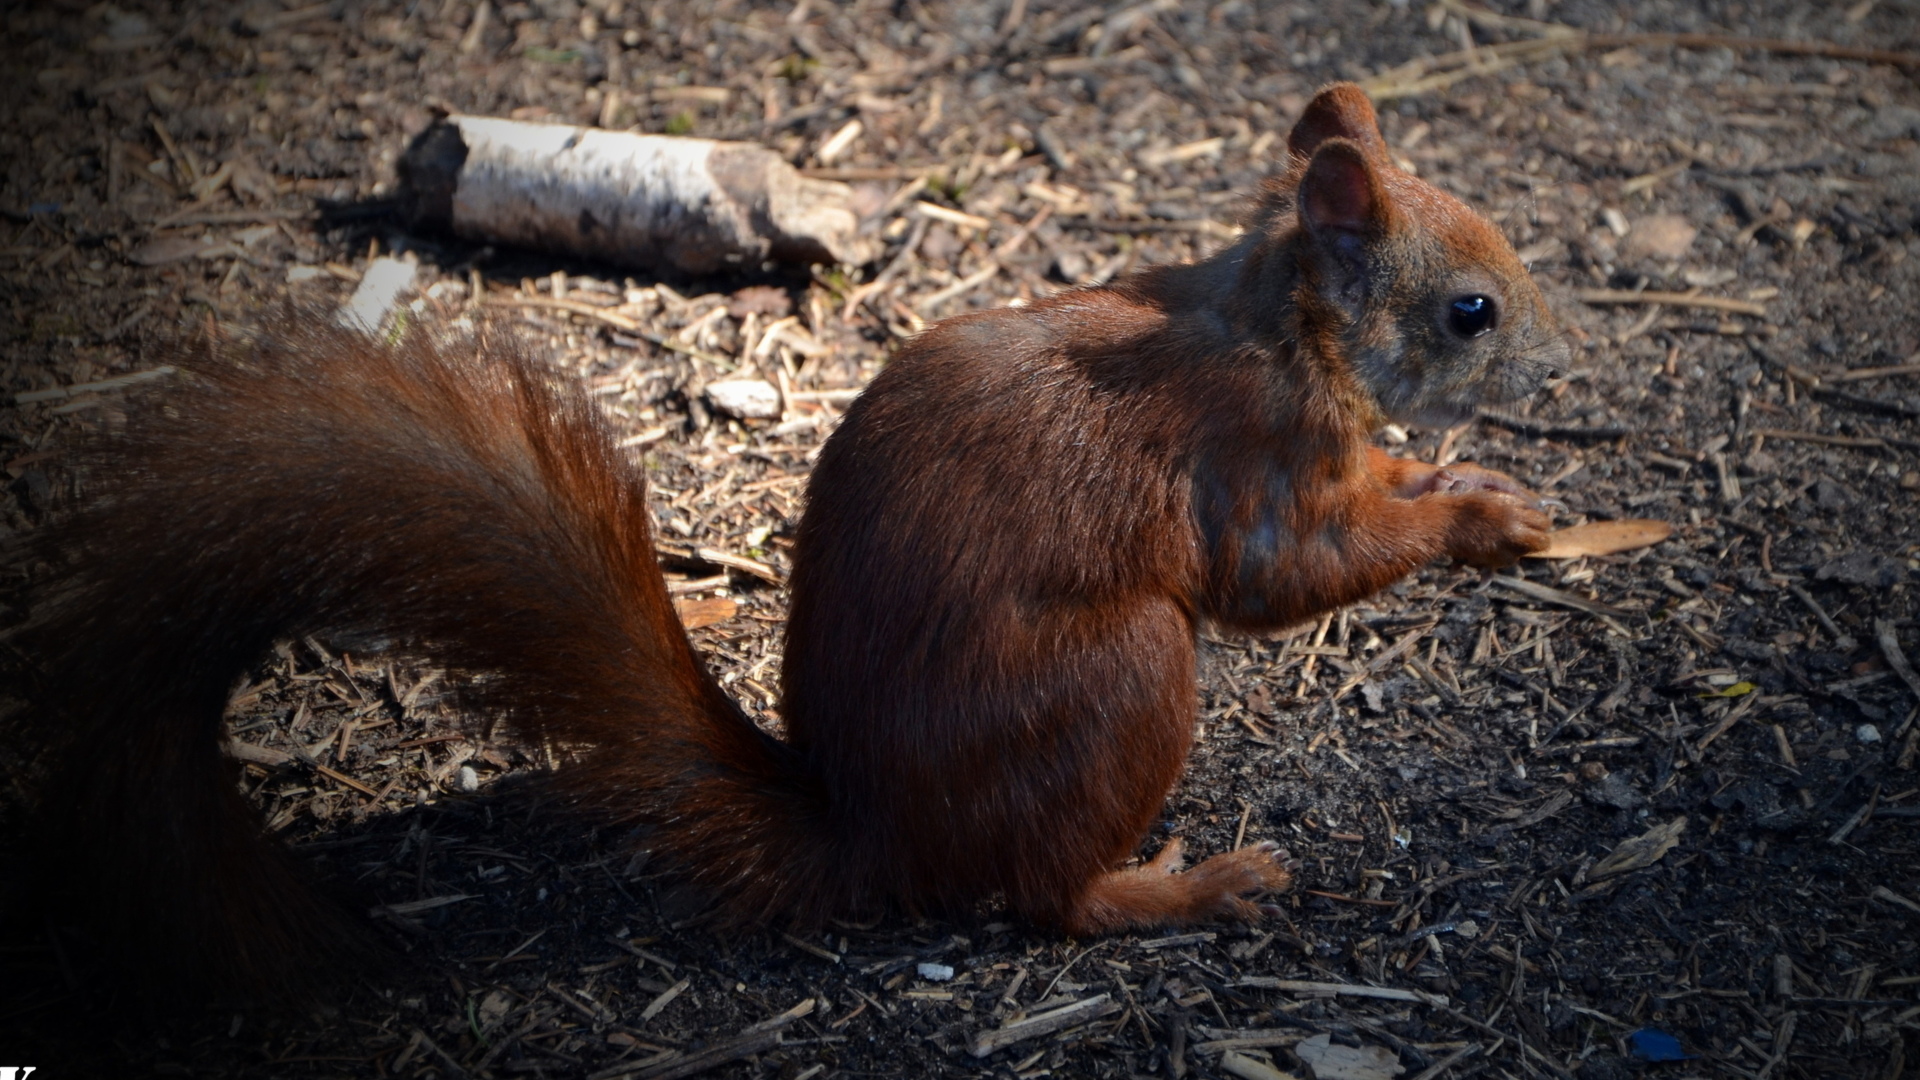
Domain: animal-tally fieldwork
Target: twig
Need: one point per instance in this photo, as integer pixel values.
(613, 319)
(1820, 613)
(117, 382)
(952, 216)
(1046, 1023)
(1854, 819)
(1782, 1041)
(1068, 966)
(1857, 374)
(1547, 594)
(1380, 663)
(1488, 1029)
(1448, 1062)
(1115, 225)
(1896, 659)
(1669, 299)
(960, 288)
(1302, 986)
(1012, 243)
(885, 277)
(453, 1067)
(741, 563)
(1815, 384)
(189, 216)
(1440, 72)
(1870, 442)
(1540, 430)
(764, 1035)
(347, 780)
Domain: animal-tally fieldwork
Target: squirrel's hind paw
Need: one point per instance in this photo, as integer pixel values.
(1228, 878)
(1153, 895)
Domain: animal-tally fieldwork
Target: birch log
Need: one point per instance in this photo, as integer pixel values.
(699, 205)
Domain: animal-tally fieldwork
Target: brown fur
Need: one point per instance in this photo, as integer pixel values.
(1009, 544)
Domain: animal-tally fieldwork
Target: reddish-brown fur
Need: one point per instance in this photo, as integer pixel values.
(1009, 544)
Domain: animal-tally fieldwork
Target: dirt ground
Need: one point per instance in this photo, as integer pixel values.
(1465, 767)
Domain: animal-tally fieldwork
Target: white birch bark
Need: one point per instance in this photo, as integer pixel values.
(700, 205)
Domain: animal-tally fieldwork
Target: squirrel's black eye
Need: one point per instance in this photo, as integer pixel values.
(1471, 316)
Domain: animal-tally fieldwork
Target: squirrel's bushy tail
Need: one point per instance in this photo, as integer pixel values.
(451, 496)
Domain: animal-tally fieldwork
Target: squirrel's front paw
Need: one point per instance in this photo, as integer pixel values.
(1461, 479)
(1496, 528)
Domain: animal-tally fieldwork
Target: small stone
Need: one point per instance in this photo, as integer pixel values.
(1892, 122)
(1616, 791)
(467, 780)
(167, 249)
(1660, 236)
(1867, 568)
(935, 972)
(1828, 495)
(745, 399)
(1867, 733)
(1707, 279)
(766, 301)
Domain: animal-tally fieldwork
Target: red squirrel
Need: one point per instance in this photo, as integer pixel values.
(1008, 546)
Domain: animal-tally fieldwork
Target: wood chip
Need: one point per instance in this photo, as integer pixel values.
(342, 778)
(257, 755)
(1220, 1040)
(741, 563)
(1250, 1068)
(415, 907)
(1183, 152)
(1640, 852)
(1301, 986)
(695, 614)
(1176, 940)
(1549, 595)
(1604, 538)
(1333, 1061)
(1457, 1057)
(663, 999)
(758, 1038)
(951, 216)
(1045, 1023)
(1881, 892)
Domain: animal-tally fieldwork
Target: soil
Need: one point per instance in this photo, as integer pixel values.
(1466, 809)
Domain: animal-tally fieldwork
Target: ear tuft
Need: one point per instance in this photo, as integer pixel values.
(1340, 111)
(1340, 193)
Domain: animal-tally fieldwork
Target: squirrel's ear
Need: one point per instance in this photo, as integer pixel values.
(1341, 193)
(1342, 205)
(1341, 111)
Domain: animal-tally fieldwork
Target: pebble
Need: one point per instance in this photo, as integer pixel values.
(746, 399)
